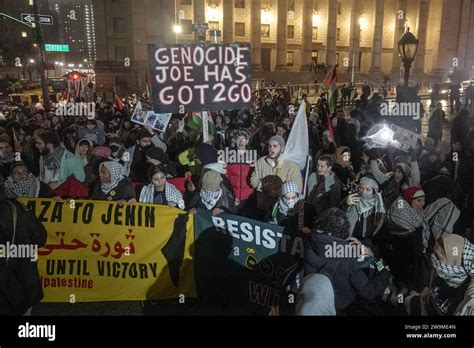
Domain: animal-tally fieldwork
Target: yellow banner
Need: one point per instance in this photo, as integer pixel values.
(100, 251)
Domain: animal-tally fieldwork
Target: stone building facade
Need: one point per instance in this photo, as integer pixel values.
(288, 35)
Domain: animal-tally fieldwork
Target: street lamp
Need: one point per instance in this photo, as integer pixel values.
(407, 47)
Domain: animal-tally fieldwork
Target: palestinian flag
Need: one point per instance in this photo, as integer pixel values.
(194, 122)
(331, 83)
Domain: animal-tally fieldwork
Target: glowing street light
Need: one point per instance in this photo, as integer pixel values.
(178, 29)
(266, 16)
(32, 61)
(316, 19)
(24, 34)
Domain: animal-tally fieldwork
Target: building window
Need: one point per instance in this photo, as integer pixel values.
(338, 34)
(290, 58)
(337, 58)
(121, 81)
(314, 57)
(239, 3)
(290, 32)
(265, 30)
(213, 25)
(186, 2)
(291, 5)
(315, 33)
(120, 53)
(187, 26)
(239, 29)
(339, 8)
(119, 24)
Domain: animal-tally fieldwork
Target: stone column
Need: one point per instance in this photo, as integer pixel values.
(256, 34)
(331, 35)
(422, 26)
(354, 39)
(281, 35)
(199, 12)
(307, 44)
(463, 35)
(376, 64)
(398, 33)
(228, 7)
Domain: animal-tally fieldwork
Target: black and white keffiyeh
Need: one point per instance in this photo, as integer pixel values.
(439, 217)
(117, 173)
(456, 275)
(367, 205)
(52, 162)
(172, 194)
(288, 187)
(27, 188)
(210, 198)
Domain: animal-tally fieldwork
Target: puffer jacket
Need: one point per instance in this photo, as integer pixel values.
(239, 177)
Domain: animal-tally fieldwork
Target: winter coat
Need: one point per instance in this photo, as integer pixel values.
(226, 202)
(321, 199)
(348, 278)
(239, 177)
(123, 191)
(443, 186)
(26, 291)
(288, 170)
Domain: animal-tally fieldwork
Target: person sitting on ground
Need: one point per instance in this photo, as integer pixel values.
(21, 183)
(159, 191)
(213, 196)
(113, 184)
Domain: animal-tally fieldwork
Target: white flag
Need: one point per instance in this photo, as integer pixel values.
(297, 146)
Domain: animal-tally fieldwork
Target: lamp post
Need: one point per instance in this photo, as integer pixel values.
(407, 47)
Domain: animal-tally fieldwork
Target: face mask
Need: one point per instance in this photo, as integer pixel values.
(290, 203)
(366, 195)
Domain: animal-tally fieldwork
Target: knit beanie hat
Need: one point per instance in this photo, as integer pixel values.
(279, 139)
(404, 169)
(206, 154)
(411, 193)
(157, 154)
(211, 180)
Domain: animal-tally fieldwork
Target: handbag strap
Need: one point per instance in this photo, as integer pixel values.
(14, 215)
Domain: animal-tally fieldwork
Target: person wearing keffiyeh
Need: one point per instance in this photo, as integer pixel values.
(159, 191)
(413, 230)
(213, 195)
(365, 211)
(450, 290)
(113, 185)
(21, 183)
(292, 211)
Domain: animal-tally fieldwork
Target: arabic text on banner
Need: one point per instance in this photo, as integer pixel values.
(100, 251)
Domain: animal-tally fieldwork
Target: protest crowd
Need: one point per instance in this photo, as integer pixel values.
(403, 211)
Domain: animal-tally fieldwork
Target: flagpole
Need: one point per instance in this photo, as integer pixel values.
(306, 175)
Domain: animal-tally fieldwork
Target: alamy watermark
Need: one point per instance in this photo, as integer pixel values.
(347, 250)
(20, 251)
(401, 109)
(231, 156)
(76, 109)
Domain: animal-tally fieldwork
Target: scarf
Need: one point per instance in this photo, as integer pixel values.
(171, 193)
(457, 267)
(52, 161)
(117, 173)
(440, 216)
(27, 188)
(367, 205)
(283, 203)
(210, 198)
